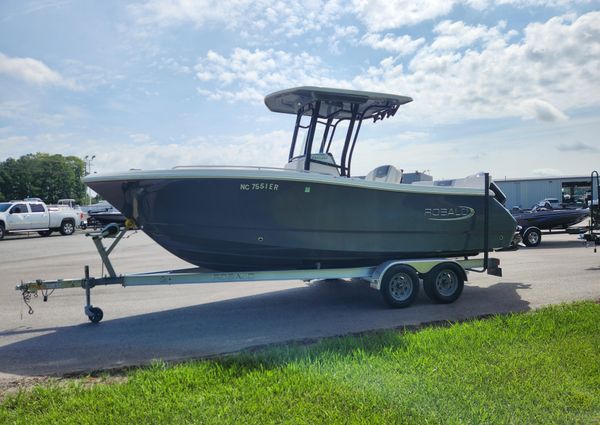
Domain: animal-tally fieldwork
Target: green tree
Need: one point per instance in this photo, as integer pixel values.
(42, 175)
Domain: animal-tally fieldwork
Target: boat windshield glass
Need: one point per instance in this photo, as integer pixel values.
(322, 142)
(4, 206)
(333, 134)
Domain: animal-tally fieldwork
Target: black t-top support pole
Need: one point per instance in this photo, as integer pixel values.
(486, 221)
(295, 136)
(311, 134)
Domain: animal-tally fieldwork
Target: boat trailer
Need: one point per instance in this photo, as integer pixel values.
(398, 280)
(592, 233)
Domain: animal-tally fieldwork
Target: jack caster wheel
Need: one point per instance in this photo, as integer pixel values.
(96, 314)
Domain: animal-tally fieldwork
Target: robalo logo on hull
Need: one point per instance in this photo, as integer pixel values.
(452, 213)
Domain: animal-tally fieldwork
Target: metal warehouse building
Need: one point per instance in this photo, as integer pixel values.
(527, 192)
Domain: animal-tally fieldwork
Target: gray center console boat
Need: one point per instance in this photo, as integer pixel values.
(312, 213)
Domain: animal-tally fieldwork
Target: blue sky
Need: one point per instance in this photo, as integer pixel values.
(511, 87)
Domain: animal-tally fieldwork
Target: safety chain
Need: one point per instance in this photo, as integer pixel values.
(27, 298)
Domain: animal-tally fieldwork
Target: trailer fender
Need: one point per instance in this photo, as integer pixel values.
(421, 267)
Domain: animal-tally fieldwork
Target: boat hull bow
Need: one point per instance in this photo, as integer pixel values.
(268, 223)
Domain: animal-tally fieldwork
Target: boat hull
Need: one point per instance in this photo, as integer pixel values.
(249, 223)
(551, 219)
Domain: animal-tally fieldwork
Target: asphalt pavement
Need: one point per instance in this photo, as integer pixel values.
(192, 321)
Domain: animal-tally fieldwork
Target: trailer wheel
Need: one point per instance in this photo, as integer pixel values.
(67, 228)
(444, 283)
(532, 236)
(399, 286)
(96, 314)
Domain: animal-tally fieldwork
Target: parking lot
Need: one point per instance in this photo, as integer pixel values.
(192, 321)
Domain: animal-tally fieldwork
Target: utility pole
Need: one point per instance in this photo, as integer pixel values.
(88, 170)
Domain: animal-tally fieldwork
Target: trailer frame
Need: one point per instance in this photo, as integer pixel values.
(375, 275)
(397, 280)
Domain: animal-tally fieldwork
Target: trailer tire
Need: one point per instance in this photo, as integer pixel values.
(532, 236)
(2, 231)
(67, 227)
(444, 283)
(400, 286)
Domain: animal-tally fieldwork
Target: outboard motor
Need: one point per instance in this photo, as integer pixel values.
(498, 194)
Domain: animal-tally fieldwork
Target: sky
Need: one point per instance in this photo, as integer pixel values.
(511, 87)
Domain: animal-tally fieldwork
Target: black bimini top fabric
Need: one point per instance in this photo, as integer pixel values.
(334, 102)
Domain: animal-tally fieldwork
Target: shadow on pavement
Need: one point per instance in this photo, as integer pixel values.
(548, 243)
(32, 235)
(319, 310)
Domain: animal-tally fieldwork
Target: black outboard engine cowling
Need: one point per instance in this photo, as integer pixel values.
(498, 194)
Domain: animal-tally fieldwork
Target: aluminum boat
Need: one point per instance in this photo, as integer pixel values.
(312, 213)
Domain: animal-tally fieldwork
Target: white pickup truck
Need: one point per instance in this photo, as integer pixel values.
(36, 216)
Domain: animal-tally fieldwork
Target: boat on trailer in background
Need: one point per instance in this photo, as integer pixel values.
(311, 219)
(592, 235)
(545, 217)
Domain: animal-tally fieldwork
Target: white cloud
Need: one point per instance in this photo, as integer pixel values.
(140, 138)
(403, 45)
(11, 143)
(144, 152)
(532, 3)
(269, 150)
(33, 71)
(577, 147)
(249, 75)
(456, 35)
(249, 18)
(29, 113)
(379, 15)
(553, 67)
(547, 172)
(557, 61)
(542, 110)
(342, 34)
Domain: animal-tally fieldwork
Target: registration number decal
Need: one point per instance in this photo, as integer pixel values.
(259, 186)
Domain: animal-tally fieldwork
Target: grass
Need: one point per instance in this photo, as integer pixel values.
(541, 367)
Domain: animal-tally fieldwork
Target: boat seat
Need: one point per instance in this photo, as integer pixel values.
(386, 174)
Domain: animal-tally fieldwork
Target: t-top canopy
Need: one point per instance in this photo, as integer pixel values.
(334, 103)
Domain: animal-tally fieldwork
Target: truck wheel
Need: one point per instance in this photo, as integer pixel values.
(532, 236)
(399, 286)
(444, 283)
(67, 228)
(2, 231)
(45, 233)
